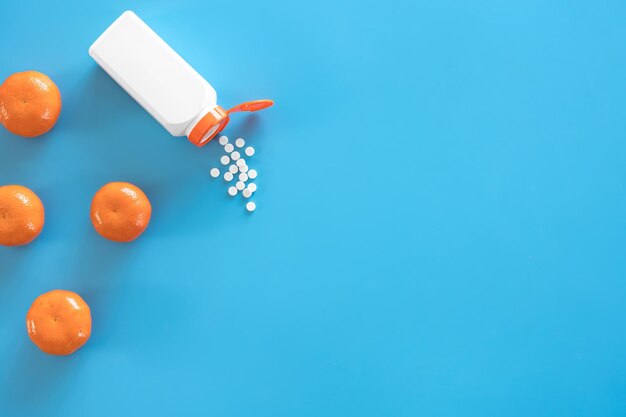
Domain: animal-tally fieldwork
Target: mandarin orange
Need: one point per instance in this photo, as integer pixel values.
(120, 211)
(30, 103)
(59, 322)
(21, 215)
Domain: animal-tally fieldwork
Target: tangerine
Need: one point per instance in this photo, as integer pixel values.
(59, 322)
(120, 211)
(21, 215)
(30, 103)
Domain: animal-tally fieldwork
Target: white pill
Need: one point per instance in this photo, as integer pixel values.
(229, 147)
(249, 151)
(235, 155)
(223, 140)
(252, 187)
(241, 162)
(243, 177)
(233, 169)
(247, 193)
(240, 185)
(243, 168)
(251, 206)
(228, 176)
(240, 142)
(225, 160)
(252, 173)
(232, 191)
(215, 172)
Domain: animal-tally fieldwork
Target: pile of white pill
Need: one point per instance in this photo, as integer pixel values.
(237, 168)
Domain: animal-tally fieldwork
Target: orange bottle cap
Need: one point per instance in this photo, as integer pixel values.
(216, 120)
(209, 126)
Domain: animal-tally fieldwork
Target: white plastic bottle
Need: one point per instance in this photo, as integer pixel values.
(161, 81)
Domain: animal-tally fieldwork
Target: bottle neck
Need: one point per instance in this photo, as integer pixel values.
(207, 126)
(209, 109)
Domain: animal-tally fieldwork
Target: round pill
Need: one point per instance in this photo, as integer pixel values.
(235, 155)
(225, 160)
(223, 140)
(228, 176)
(243, 168)
(251, 206)
(241, 162)
(252, 173)
(233, 169)
(229, 147)
(252, 187)
(249, 151)
(240, 185)
(247, 193)
(232, 191)
(243, 177)
(215, 172)
(240, 142)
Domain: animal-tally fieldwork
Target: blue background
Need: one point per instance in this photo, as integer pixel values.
(440, 227)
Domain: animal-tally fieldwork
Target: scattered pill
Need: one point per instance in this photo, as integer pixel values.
(237, 169)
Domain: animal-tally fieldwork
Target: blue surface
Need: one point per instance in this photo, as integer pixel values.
(440, 227)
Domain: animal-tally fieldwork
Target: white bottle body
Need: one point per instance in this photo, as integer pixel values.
(153, 74)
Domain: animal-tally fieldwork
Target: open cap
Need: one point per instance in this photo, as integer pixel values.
(217, 118)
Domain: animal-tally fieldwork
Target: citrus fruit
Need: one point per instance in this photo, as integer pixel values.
(30, 103)
(59, 322)
(120, 211)
(21, 215)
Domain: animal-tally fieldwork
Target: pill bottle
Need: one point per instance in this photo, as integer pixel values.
(162, 82)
